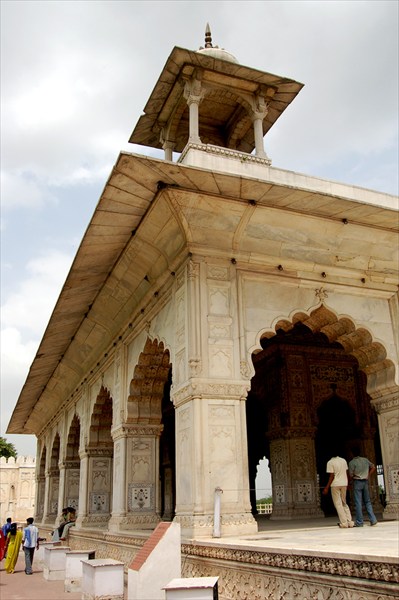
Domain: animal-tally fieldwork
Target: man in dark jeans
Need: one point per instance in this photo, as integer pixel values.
(30, 541)
(360, 469)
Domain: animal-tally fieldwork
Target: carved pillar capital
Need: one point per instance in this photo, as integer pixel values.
(126, 430)
(210, 390)
(385, 400)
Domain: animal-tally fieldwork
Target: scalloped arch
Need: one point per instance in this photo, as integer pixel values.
(147, 384)
(358, 342)
(73, 439)
(42, 462)
(101, 420)
(55, 452)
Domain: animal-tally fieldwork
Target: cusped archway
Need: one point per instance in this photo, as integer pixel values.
(151, 445)
(100, 452)
(72, 465)
(310, 365)
(356, 341)
(147, 385)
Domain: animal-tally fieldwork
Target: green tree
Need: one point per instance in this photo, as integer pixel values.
(268, 500)
(7, 449)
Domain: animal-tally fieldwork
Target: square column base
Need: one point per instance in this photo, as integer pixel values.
(233, 524)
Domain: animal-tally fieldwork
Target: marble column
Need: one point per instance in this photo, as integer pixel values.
(119, 492)
(168, 148)
(142, 481)
(39, 497)
(259, 112)
(386, 404)
(211, 453)
(51, 496)
(294, 475)
(83, 488)
(194, 94)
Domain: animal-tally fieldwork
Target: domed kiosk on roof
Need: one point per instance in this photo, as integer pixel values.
(206, 101)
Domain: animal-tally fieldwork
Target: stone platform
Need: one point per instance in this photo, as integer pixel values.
(286, 560)
(302, 560)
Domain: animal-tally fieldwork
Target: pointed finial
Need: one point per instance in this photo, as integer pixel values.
(208, 37)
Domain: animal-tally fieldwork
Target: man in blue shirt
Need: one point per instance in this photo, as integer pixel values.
(360, 469)
(7, 526)
(30, 541)
(5, 529)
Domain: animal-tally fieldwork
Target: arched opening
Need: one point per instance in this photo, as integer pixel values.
(337, 430)
(151, 480)
(263, 488)
(100, 450)
(307, 396)
(168, 455)
(72, 465)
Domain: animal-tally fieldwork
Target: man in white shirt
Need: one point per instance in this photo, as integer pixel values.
(337, 467)
(30, 541)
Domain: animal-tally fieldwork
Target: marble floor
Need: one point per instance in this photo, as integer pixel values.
(321, 536)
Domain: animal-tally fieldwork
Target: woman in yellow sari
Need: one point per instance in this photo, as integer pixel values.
(14, 539)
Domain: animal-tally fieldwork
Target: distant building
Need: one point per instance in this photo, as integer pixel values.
(17, 487)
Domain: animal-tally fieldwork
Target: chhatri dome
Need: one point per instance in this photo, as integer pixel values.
(206, 100)
(215, 51)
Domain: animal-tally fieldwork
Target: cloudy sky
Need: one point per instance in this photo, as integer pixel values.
(75, 76)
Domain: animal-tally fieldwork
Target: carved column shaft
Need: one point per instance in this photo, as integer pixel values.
(168, 149)
(294, 476)
(119, 506)
(258, 134)
(387, 408)
(83, 486)
(61, 487)
(259, 112)
(39, 497)
(46, 496)
(194, 94)
(51, 495)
